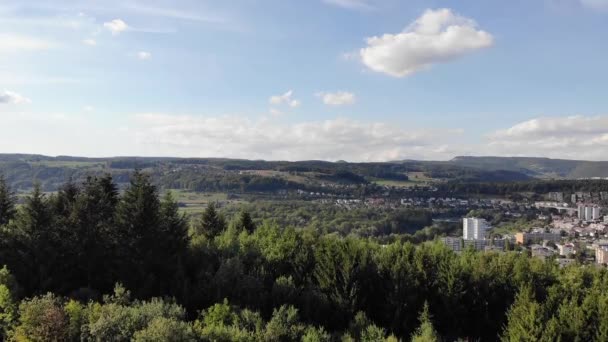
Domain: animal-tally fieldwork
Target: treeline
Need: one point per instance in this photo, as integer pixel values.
(239, 279)
(227, 182)
(329, 218)
(538, 187)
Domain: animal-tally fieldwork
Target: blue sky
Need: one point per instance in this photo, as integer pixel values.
(359, 80)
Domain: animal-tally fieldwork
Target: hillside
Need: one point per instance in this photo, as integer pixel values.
(537, 167)
(242, 176)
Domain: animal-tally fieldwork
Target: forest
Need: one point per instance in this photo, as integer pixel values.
(92, 263)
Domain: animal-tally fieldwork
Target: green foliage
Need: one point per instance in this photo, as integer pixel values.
(9, 291)
(219, 314)
(425, 332)
(525, 318)
(165, 329)
(119, 322)
(362, 221)
(284, 325)
(75, 312)
(295, 283)
(313, 334)
(245, 223)
(7, 202)
(211, 224)
(8, 310)
(373, 333)
(42, 319)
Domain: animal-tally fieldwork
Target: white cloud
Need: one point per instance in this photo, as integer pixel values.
(17, 43)
(143, 55)
(284, 99)
(573, 137)
(270, 139)
(338, 98)
(9, 97)
(175, 13)
(275, 112)
(89, 42)
(350, 4)
(595, 4)
(116, 26)
(438, 36)
(88, 108)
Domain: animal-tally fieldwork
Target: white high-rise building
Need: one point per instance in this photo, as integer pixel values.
(474, 228)
(596, 213)
(588, 213)
(581, 212)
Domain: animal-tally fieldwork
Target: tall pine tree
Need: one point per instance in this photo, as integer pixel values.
(425, 332)
(7, 202)
(212, 223)
(525, 318)
(245, 223)
(138, 240)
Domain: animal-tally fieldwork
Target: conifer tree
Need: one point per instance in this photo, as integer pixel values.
(7, 202)
(524, 320)
(139, 236)
(245, 223)
(34, 243)
(173, 225)
(212, 223)
(425, 332)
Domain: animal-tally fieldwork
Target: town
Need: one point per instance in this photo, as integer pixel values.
(572, 231)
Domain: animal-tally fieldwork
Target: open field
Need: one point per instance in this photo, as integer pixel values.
(68, 164)
(192, 202)
(419, 177)
(415, 178)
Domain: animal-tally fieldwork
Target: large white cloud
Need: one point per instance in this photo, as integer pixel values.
(338, 98)
(268, 139)
(10, 97)
(573, 137)
(438, 36)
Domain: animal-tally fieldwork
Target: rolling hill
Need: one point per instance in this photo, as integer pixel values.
(537, 167)
(238, 175)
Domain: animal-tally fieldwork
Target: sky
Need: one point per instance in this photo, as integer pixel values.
(356, 80)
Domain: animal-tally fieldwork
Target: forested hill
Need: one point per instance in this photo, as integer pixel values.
(237, 175)
(537, 167)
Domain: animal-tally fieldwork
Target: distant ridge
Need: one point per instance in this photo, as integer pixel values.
(537, 167)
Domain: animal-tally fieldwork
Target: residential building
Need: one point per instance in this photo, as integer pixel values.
(556, 196)
(477, 244)
(474, 228)
(566, 249)
(588, 213)
(453, 243)
(541, 252)
(526, 238)
(601, 255)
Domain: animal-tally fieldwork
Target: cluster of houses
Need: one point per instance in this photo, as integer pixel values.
(509, 208)
(566, 237)
(579, 196)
